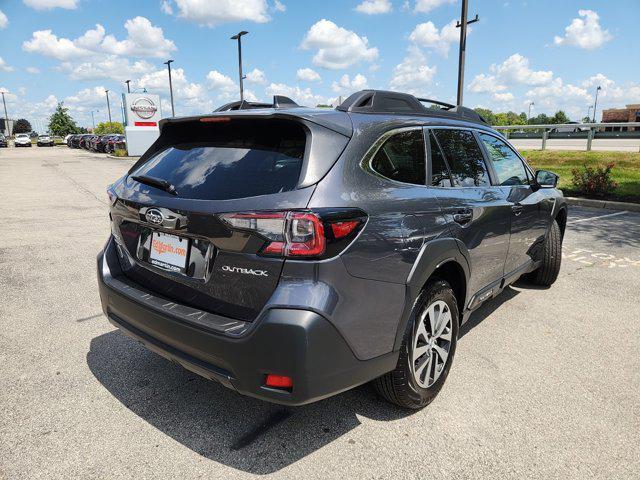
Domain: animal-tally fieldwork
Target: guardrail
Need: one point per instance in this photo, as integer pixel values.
(586, 136)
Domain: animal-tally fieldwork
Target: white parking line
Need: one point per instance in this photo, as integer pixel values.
(598, 217)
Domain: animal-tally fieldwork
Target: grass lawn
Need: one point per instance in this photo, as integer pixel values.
(626, 172)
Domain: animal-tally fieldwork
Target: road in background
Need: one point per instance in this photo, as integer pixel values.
(545, 383)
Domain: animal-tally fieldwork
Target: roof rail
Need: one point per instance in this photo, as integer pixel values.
(279, 101)
(382, 101)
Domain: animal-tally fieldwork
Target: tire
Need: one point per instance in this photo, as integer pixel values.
(403, 386)
(547, 272)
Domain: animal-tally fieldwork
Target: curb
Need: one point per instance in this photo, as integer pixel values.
(606, 204)
(122, 158)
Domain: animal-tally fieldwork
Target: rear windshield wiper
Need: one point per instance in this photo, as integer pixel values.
(156, 182)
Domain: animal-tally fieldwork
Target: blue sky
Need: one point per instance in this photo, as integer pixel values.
(552, 53)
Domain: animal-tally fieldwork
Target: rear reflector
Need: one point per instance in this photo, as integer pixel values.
(278, 381)
(342, 229)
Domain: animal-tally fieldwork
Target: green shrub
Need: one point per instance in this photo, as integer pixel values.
(120, 153)
(596, 182)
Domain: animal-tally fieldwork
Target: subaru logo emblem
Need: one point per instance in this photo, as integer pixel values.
(154, 216)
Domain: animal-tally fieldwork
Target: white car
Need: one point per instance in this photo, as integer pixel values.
(45, 141)
(22, 140)
(66, 139)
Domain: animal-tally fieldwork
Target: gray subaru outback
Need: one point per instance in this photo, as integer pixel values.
(292, 253)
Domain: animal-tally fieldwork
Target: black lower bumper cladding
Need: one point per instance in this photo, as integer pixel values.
(297, 343)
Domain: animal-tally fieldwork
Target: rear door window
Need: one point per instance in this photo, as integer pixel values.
(402, 158)
(439, 170)
(509, 168)
(234, 160)
(464, 156)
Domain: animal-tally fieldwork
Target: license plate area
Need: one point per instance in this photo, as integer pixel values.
(169, 252)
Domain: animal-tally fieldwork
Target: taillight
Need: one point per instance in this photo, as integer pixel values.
(289, 234)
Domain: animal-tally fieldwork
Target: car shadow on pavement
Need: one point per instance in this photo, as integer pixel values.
(219, 424)
(490, 306)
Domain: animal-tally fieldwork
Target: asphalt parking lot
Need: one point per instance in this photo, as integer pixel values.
(545, 383)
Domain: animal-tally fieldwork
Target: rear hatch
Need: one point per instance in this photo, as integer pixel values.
(184, 217)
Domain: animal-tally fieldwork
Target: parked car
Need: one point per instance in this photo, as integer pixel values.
(66, 139)
(22, 140)
(3, 141)
(85, 141)
(569, 128)
(45, 141)
(294, 253)
(115, 142)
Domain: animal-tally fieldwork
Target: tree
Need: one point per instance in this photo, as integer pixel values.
(105, 128)
(22, 125)
(560, 117)
(487, 114)
(540, 119)
(61, 122)
(586, 120)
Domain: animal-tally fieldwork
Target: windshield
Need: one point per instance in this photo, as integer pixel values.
(236, 160)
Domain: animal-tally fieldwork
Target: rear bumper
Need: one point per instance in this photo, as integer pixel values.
(297, 343)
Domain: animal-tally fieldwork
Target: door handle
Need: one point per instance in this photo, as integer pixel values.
(517, 209)
(462, 217)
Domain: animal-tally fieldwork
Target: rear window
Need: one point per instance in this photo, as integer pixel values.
(226, 160)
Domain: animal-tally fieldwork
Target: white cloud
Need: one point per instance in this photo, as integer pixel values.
(425, 6)
(107, 66)
(428, 35)
(413, 75)
(302, 96)
(359, 82)
(515, 69)
(4, 67)
(215, 12)
(219, 81)
(485, 84)
(143, 40)
(503, 97)
(374, 7)
(612, 92)
(338, 48)
(166, 7)
(4, 21)
(558, 93)
(50, 4)
(279, 6)
(46, 43)
(33, 70)
(256, 76)
(584, 32)
(190, 98)
(308, 75)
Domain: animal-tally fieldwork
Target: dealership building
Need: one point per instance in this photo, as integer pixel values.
(622, 115)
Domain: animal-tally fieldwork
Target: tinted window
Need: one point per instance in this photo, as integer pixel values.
(401, 158)
(234, 160)
(508, 166)
(464, 157)
(439, 170)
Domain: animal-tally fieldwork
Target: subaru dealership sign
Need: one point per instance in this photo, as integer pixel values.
(142, 114)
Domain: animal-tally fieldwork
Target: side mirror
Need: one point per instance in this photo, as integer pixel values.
(546, 179)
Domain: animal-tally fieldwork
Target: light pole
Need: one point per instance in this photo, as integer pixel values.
(595, 105)
(93, 120)
(128, 88)
(530, 105)
(168, 64)
(6, 117)
(108, 105)
(238, 37)
(462, 24)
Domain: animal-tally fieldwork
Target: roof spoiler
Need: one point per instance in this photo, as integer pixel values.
(279, 102)
(382, 101)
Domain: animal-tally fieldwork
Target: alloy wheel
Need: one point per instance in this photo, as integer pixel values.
(431, 343)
